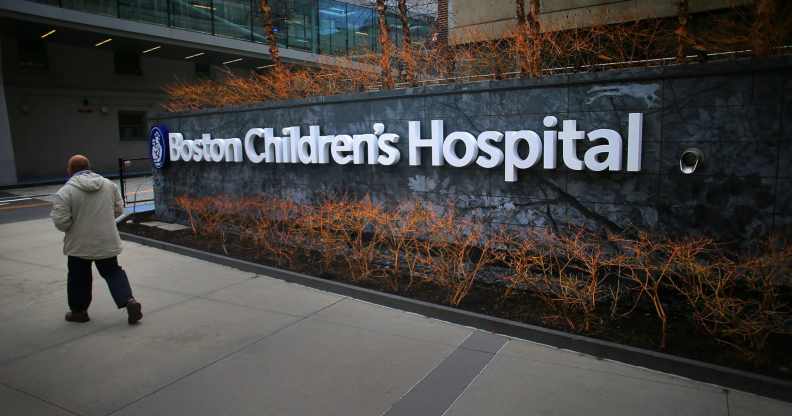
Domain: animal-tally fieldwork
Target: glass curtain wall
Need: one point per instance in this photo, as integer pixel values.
(94, 6)
(362, 29)
(333, 27)
(320, 26)
(149, 11)
(232, 18)
(50, 2)
(294, 22)
(301, 25)
(192, 15)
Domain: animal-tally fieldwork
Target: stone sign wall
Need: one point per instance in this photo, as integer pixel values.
(738, 113)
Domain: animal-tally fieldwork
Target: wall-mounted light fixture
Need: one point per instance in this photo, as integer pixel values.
(106, 41)
(690, 160)
(195, 55)
(48, 34)
(151, 49)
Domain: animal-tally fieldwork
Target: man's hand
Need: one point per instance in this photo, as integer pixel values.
(61, 214)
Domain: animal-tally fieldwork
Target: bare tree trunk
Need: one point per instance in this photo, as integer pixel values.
(521, 39)
(760, 32)
(444, 52)
(406, 50)
(387, 46)
(280, 71)
(534, 36)
(520, 13)
(497, 57)
(682, 31)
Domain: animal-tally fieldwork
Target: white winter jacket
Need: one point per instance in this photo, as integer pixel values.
(85, 209)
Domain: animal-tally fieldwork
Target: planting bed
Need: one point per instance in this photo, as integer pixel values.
(491, 292)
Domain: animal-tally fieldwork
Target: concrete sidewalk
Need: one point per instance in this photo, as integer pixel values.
(218, 341)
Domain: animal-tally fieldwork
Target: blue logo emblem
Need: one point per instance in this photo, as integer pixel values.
(158, 138)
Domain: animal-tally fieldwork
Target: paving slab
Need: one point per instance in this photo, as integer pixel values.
(746, 404)
(27, 327)
(16, 403)
(29, 228)
(48, 254)
(12, 243)
(10, 267)
(26, 287)
(311, 368)
(359, 314)
(162, 270)
(552, 356)
(98, 373)
(276, 295)
(514, 383)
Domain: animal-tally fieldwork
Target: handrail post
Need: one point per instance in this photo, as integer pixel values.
(121, 179)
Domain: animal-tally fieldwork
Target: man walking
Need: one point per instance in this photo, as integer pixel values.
(85, 209)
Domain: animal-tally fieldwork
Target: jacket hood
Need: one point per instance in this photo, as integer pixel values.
(87, 181)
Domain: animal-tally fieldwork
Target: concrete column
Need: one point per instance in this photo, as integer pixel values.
(8, 174)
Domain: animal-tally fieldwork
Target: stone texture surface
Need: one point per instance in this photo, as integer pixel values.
(737, 113)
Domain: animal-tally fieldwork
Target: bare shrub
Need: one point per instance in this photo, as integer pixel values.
(737, 301)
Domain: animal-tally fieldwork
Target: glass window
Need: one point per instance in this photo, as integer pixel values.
(92, 6)
(332, 27)
(192, 14)
(232, 18)
(150, 11)
(394, 28)
(421, 28)
(362, 29)
(132, 125)
(279, 17)
(301, 25)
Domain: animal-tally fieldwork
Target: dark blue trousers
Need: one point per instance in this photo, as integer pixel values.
(79, 282)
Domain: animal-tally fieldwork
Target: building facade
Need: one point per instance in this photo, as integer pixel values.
(81, 76)
(491, 19)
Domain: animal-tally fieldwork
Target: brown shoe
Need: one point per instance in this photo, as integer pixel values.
(134, 312)
(78, 316)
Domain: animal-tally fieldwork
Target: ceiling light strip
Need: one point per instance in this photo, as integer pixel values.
(108, 40)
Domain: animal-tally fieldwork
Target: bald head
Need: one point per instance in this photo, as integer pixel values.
(78, 163)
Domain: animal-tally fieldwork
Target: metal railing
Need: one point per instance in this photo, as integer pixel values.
(123, 176)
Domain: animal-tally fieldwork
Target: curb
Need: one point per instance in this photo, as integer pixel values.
(685, 367)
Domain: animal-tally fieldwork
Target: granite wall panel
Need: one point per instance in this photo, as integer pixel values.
(738, 113)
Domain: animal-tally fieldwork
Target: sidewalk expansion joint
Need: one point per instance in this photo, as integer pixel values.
(441, 387)
(41, 399)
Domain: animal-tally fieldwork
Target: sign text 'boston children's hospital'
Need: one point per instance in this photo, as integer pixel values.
(458, 149)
